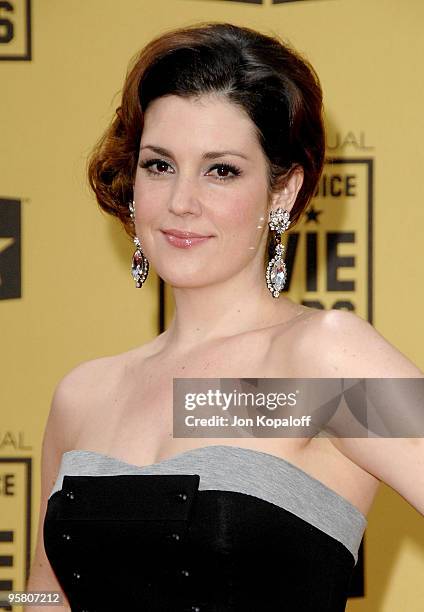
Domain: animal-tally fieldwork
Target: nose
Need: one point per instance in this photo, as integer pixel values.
(184, 197)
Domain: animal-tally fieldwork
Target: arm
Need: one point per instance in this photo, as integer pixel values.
(60, 433)
(351, 348)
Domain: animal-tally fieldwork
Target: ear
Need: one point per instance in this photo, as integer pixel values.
(286, 197)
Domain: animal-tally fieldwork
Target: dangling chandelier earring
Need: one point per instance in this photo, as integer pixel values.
(276, 272)
(140, 263)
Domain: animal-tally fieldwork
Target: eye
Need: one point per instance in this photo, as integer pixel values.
(162, 166)
(226, 168)
(148, 163)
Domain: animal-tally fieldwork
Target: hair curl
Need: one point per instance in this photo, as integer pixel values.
(277, 88)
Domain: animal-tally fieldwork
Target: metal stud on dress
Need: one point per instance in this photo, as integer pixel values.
(140, 263)
(276, 272)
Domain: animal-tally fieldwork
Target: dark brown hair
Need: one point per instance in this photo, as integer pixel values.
(277, 88)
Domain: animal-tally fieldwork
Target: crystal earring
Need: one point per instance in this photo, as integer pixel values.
(276, 272)
(140, 263)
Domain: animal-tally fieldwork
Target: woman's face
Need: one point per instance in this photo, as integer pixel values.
(200, 169)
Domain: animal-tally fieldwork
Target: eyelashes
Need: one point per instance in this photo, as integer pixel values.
(149, 163)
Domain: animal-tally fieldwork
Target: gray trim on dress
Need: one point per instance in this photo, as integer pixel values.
(233, 468)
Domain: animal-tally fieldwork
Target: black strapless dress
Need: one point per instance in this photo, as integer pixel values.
(211, 529)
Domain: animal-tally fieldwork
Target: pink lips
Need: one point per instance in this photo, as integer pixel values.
(183, 240)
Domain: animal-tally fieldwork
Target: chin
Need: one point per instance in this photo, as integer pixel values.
(183, 283)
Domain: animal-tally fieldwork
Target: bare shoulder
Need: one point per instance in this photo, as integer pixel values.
(79, 391)
(348, 346)
(339, 343)
(86, 376)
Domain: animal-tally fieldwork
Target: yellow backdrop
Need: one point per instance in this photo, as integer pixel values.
(67, 294)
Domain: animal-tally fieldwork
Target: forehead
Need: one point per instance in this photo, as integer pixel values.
(209, 120)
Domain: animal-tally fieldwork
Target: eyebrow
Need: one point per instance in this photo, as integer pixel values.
(207, 155)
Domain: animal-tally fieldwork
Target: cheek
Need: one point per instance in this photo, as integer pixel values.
(244, 217)
(145, 209)
(144, 212)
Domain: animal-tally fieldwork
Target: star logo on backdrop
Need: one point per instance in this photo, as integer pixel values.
(5, 243)
(312, 214)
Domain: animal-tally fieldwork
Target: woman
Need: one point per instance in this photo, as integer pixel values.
(216, 149)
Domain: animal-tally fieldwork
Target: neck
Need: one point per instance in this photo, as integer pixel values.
(217, 311)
